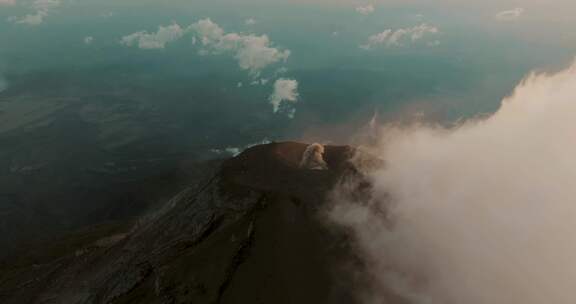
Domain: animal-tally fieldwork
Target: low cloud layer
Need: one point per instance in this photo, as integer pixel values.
(402, 37)
(479, 213)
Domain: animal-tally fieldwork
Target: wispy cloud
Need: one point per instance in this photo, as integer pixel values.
(400, 37)
(156, 40)
(42, 8)
(510, 15)
(366, 9)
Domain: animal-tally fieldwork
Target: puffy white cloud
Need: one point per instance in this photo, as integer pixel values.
(209, 32)
(510, 15)
(250, 21)
(366, 9)
(42, 9)
(479, 213)
(284, 90)
(252, 52)
(256, 53)
(88, 40)
(157, 40)
(400, 37)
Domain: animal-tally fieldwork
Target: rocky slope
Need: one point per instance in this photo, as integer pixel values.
(251, 231)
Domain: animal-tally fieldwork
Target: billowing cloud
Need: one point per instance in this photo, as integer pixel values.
(250, 21)
(210, 32)
(479, 213)
(284, 90)
(400, 37)
(42, 9)
(366, 9)
(157, 40)
(252, 52)
(510, 15)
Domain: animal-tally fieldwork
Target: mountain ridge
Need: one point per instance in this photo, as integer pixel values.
(251, 231)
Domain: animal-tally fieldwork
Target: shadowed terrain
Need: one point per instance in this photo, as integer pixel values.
(250, 231)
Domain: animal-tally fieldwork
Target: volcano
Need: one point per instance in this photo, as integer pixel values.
(252, 229)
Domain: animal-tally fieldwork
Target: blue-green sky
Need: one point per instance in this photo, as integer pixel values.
(467, 56)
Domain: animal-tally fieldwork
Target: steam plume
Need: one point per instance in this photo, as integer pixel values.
(481, 213)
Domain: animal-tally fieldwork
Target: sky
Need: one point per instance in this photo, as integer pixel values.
(298, 64)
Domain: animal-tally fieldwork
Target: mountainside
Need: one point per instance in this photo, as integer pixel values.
(251, 231)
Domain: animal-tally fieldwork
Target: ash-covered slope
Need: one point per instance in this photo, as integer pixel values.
(250, 232)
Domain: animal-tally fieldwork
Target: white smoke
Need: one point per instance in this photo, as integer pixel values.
(484, 213)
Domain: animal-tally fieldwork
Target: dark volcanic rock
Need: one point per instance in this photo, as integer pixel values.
(250, 232)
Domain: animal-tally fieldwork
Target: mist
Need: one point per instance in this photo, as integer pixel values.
(484, 212)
